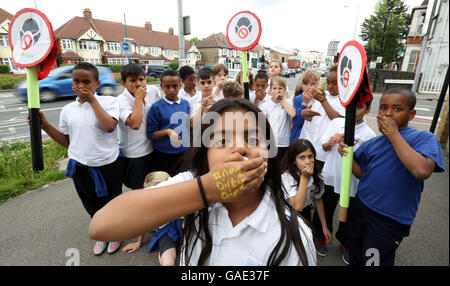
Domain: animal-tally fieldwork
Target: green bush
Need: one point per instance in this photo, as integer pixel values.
(114, 68)
(4, 69)
(173, 65)
(8, 81)
(16, 171)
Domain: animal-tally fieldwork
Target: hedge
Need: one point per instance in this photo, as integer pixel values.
(8, 81)
(4, 69)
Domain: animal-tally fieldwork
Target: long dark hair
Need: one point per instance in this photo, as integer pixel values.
(288, 162)
(195, 160)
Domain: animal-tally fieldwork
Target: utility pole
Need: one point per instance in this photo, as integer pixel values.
(181, 56)
(126, 35)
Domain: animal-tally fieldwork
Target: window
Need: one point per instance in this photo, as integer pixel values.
(88, 45)
(169, 53)
(412, 61)
(155, 51)
(8, 62)
(225, 52)
(93, 61)
(66, 44)
(142, 50)
(112, 46)
(4, 41)
(118, 61)
(420, 23)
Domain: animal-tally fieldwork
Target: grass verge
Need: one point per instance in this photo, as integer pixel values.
(16, 171)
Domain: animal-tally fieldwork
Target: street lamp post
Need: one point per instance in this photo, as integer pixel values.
(357, 15)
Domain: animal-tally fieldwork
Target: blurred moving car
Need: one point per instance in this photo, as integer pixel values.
(155, 70)
(58, 83)
(288, 72)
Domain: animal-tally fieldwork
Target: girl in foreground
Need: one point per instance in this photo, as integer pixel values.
(235, 209)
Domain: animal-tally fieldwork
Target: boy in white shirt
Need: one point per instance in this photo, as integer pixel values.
(88, 130)
(134, 103)
(279, 112)
(189, 90)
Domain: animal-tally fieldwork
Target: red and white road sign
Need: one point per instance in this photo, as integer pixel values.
(243, 31)
(30, 37)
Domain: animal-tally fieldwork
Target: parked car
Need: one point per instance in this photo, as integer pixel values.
(155, 70)
(288, 73)
(58, 83)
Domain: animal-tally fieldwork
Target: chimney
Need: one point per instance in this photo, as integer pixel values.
(87, 14)
(148, 26)
(171, 31)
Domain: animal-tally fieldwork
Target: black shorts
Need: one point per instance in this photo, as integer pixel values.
(165, 242)
(135, 171)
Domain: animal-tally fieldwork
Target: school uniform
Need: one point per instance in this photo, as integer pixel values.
(332, 172)
(280, 122)
(166, 114)
(313, 130)
(219, 96)
(298, 120)
(261, 228)
(252, 97)
(388, 195)
(94, 164)
(134, 144)
(312, 192)
(195, 101)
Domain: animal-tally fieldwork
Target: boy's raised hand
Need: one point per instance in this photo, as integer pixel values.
(341, 149)
(139, 91)
(84, 93)
(231, 180)
(386, 125)
(336, 139)
(260, 94)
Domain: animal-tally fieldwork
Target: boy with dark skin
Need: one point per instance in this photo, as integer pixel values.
(391, 168)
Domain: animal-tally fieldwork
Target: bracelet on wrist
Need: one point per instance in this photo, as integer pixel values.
(202, 192)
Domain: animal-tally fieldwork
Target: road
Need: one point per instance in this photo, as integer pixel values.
(13, 112)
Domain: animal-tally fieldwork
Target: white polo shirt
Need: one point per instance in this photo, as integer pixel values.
(291, 187)
(332, 169)
(194, 101)
(89, 143)
(252, 96)
(134, 143)
(314, 129)
(252, 240)
(279, 120)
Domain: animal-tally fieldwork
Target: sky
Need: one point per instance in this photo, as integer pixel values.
(305, 25)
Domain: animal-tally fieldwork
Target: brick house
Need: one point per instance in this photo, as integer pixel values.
(5, 50)
(215, 49)
(99, 41)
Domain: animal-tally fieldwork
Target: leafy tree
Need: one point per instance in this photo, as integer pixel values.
(193, 41)
(173, 65)
(398, 21)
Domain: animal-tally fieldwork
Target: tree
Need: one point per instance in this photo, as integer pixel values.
(193, 41)
(396, 30)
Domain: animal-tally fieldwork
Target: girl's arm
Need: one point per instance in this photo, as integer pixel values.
(421, 167)
(136, 212)
(321, 212)
(298, 201)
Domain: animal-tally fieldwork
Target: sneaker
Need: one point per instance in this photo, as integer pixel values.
(99, 247)
(345, 255)
(113, 246)
(321, 247)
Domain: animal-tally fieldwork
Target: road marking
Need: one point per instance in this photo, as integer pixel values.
(48, 109)
(12, 130)
(422, 108)
(424, 117)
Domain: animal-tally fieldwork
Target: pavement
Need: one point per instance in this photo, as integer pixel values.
(48, 227)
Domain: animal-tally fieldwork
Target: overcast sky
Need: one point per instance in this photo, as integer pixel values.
(306, 25)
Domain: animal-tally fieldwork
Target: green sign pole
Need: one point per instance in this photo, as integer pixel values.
(244, 74)
(35, 118)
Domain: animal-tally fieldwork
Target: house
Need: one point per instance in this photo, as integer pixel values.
(5, 49)
(99, 41)
(281, 54)
(436, 53)
(415, 37)
(194, 58)
(215, 49)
